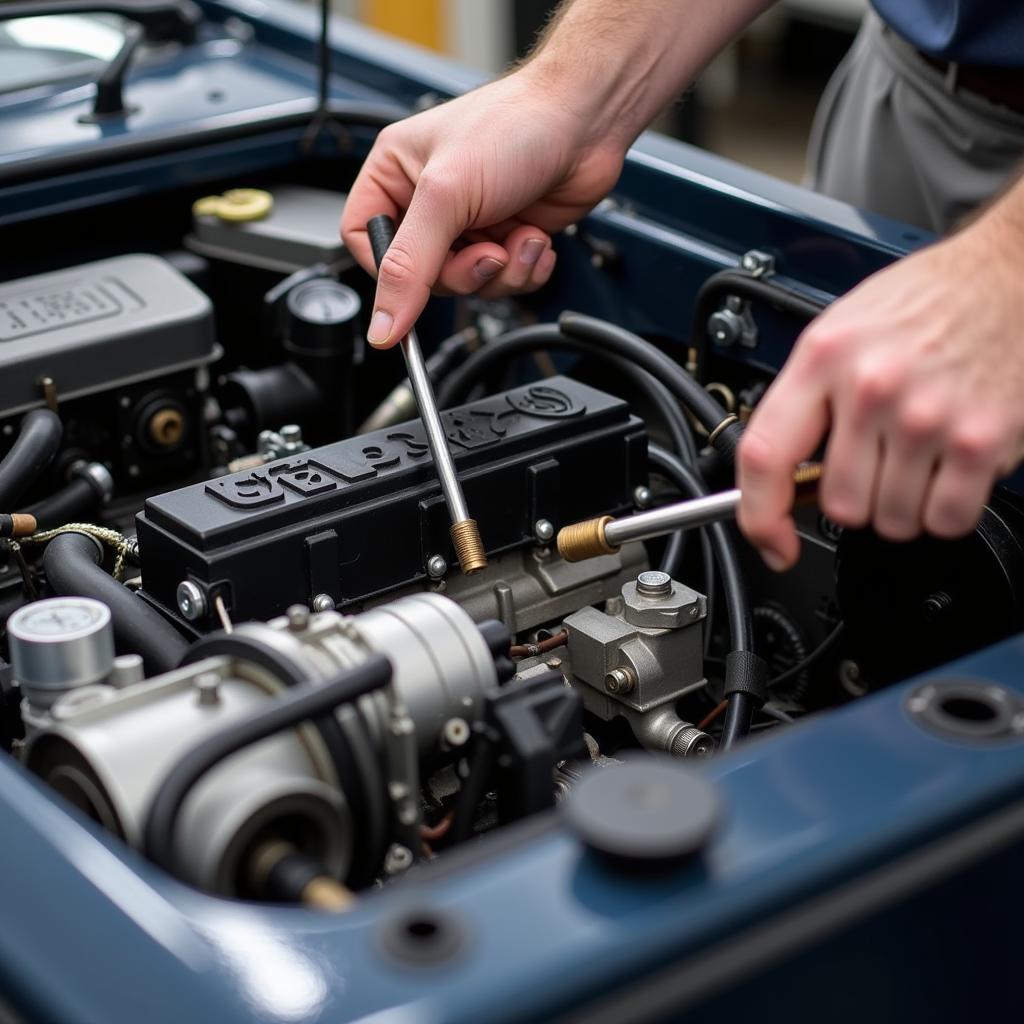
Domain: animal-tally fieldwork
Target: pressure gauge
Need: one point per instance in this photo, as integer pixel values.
(60, 644)
(322, 316)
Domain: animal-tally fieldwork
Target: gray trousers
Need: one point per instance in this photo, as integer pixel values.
(892, 135)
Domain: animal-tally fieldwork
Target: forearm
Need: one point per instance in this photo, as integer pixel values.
(1001, 222)
(619, 62)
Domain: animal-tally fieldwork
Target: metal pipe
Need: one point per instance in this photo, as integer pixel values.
(464, 532)
(606, 535)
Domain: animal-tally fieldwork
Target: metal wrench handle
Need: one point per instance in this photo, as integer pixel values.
(464, 533)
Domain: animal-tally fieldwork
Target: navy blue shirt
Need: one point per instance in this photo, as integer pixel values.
(969, 31)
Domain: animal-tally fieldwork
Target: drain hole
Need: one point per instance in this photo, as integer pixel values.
(422, 929)
(969, 709)
(424, 936)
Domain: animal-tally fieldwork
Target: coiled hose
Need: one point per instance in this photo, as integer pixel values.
(71, 562)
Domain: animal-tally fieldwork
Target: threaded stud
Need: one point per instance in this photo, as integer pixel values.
(585, 540)
(468, 546)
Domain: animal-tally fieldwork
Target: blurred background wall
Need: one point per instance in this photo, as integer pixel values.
(753, 104)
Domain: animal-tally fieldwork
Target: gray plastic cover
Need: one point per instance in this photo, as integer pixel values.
(98, 326)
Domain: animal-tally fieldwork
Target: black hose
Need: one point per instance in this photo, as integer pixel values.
(705, 407)
(544, 337)
(740, 711)
(71, 562)
(33, 450)
(75, 503)
(725, 283)
(296, 705)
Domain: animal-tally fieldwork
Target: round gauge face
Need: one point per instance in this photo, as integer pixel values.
(324, 302)
(58, 618)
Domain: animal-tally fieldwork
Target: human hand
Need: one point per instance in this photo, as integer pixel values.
(918, 375)
(479, 185)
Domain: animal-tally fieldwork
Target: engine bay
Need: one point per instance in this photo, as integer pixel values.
(248, 506)
(239, 654)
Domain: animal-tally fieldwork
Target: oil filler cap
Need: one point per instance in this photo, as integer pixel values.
(649, 813)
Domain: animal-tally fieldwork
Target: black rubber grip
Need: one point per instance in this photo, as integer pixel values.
(746, 672)
(381, 230)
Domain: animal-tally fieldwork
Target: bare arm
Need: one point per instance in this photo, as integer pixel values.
(481, 183)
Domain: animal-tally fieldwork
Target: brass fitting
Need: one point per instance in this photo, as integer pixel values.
(21, 524)
(806, 478)
(166, 427)
(585, 540)
(469, 548)
(323, 893)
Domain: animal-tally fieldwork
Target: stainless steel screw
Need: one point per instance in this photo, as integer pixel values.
(191, 601)
(642, 497)
(758, 263)
(298, 617)
(436, 567)
(323, 603)
(291, 434)
(543, 531)
(619, 680)
(397, 859)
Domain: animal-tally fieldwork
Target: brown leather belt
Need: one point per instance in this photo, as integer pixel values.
(1002, 86)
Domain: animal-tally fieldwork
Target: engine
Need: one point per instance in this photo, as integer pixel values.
(237, 634)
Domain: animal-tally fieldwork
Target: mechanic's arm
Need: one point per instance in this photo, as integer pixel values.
(482, 182)
(918, 376)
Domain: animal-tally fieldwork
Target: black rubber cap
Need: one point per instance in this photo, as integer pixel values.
(649, 813)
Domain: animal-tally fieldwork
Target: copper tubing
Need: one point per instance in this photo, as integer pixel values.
(469, 548)
(585, 540)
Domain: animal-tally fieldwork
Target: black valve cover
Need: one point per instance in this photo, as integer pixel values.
(361, 517)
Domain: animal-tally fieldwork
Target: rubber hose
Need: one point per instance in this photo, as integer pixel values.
(740, 711)
(738, 283)
(75, 503)
(71, 562)
(544, 337)
(285, 711)
(33, 450)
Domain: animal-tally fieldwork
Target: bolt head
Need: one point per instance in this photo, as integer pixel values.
(654, 583)
(207, 686)
(323, 603)
(642, 497)
(543, 531)
(298, 617)
(757, 262)
(436, 567)
(455, 732)
(619, 680)
(191, 601)
(397, 859)
(291, 433)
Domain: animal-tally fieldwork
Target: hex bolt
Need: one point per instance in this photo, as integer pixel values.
(291, 434)
(298, 617)
(436, 567)
(758, 263)
(642, 497)
(191, 601)
(323, 603)
(207, 686)
(654, 583)
(543, 531)
(619, 680)
(397, 859)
